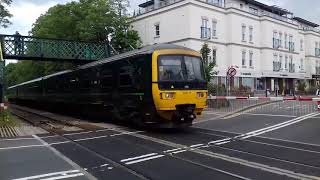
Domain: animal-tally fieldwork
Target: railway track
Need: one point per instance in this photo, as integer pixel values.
(50, 122)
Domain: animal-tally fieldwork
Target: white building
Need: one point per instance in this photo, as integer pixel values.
(271, 48)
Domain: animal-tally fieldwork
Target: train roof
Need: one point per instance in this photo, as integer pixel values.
(136, 52)
(40, 78)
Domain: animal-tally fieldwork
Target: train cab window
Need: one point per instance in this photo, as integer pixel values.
(180, 68)
(193, 68)
(170, 68)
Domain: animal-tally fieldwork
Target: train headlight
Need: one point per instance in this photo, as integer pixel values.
(200, 95)
(168, 95)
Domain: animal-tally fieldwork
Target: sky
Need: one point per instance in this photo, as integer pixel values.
(25, 12)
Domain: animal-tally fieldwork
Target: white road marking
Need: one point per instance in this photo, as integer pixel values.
(65, 177)
(219, 141)
(70, 134)
(225, 142)
(96, 137)
(196, 145)
(47, 175)
(17, 139)
(275, 127)
(144, 159)
(103, 165)
(271, 115)
(176, 152)
(126, 133)
(138, 157)
(19, 147)
(44, 137)
(62, 142)
(171, 150)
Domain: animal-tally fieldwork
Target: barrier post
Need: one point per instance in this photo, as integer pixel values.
(318, 102)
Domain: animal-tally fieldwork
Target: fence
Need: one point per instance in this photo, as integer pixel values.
(287, 106)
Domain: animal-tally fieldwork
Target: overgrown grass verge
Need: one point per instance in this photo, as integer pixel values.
(7, 119)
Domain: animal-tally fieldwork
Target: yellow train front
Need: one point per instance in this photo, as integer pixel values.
(179, 88)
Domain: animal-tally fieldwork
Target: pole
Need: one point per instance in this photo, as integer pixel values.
(227, 85)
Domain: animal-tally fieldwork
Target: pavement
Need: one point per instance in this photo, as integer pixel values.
(276, 141)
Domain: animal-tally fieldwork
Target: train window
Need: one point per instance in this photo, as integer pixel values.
(126, 72)
(106, 77)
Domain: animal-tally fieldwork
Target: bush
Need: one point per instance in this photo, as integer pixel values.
(302, 87)
(217, 90)
(311, 90)
(242, 91)
(6, 118)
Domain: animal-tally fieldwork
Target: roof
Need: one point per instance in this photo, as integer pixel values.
(273, 9)
(136, 52)
(301, 20)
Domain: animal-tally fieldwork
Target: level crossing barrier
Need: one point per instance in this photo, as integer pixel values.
(282, 106)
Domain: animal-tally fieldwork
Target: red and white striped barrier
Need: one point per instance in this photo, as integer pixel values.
(316, 99)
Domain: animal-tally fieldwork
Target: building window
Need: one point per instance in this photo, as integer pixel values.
(214, 56)
(301, 64)
(205, 30)
(244, 53)
(317, 49)
(291, 43)
(291, 65)
(251, 34)
(157, 30)
(214, 28)
(215, 2)
(253, 10)
(251, 59)
(301, 45)
(244, 33)
(280, 62)
(286, 41)
(276, 64)
(286, 63)
(275, 40)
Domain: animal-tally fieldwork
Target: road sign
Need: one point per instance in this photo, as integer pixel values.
(232, 72)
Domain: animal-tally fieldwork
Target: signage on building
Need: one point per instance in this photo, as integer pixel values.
(246, 74)
(232, 72)
(316, 76)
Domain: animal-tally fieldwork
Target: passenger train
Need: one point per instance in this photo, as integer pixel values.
(162, 85)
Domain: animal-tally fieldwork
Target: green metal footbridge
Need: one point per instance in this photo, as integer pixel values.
(17, 47)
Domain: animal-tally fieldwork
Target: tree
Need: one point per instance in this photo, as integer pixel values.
(208, 63)
(121, 7)
(89, 20)
(4, 13)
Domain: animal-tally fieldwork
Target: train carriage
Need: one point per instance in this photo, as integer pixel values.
(162, 85)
